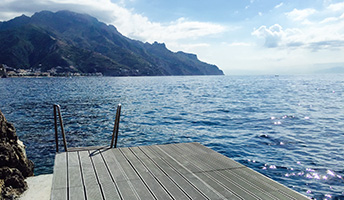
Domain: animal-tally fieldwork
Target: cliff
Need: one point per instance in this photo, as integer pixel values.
(78, 43)
(14, 164)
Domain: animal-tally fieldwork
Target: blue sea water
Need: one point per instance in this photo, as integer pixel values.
(289, 128)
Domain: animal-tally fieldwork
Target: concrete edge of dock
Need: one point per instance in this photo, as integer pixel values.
(39, 187)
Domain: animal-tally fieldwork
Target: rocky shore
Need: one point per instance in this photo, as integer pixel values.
(14, 164)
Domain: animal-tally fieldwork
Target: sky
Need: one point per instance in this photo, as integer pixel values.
(241, 37)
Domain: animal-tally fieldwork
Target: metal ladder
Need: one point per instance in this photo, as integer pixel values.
(57, 112)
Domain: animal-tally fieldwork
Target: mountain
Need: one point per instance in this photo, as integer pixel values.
(71, 42)
(333, 70)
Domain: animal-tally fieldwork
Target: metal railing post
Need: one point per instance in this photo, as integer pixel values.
(56, 134)
(62, 129)
(116, 127)
(57, 107)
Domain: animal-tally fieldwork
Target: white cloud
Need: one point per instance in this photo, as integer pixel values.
(176, 30)
(336, 13)
(307, 36)
(336, 7)
(126, 21)
(273, 35)
(279, 5)
(328, 20)
(299, 15)
(313, 30)
(313, 38)
(239, 44)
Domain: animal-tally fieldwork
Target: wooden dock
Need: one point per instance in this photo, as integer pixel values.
(174, 171)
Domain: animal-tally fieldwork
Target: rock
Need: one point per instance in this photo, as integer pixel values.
(14, 165)
(3, 73)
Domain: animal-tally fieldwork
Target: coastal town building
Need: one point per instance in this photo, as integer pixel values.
(6, 71)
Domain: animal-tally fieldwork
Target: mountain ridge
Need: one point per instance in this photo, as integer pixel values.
(73, 42)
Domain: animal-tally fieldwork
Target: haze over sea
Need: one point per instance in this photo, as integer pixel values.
(290, 128)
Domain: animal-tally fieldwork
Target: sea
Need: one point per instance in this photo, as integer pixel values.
(288, 127)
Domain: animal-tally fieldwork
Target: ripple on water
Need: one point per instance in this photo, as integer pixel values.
(289, 128)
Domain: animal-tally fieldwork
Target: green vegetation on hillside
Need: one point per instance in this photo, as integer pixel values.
(78, 43)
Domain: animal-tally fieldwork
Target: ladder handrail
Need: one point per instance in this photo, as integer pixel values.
(58, 109)
(116, 127)
(56, 134)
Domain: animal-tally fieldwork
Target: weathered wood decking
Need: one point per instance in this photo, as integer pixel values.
(174, 171)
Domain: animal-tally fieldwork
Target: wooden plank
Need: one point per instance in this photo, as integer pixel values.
(288, 197)
(125, 188)
(87, 169)
(262, 181)
(128, 171)
(60, 171)
(73, 159)
(173, 174)
(186, 186)
(195, 148)
(110, 191)
(174, 171)
(184, 166)
(208, 191)
(59, 184)
(129, 183)
(170, 161)
(172, 188)
(155, 187)
(218, 162)
(199, 162)
(59, 194)
(289, 194)
(241, 176)
(92, 187)
(206, 160)
(158, 171)
(141, 189)
(214, 190)
(159, 161)
(145, 175)
(77, 193)
(90, 148)
(74, 173)
(232, 186)
(113, 165)
(75, 177)
(132, 176)
(76, 188)
(145, 160)
(167, 183)
(93, 192)
(109, 188)
(246, 184)
(100, 168)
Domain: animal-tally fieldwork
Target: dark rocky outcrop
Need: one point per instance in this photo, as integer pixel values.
(3, 73)
(14, 165)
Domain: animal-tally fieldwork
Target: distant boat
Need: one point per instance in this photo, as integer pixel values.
(276, 75)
